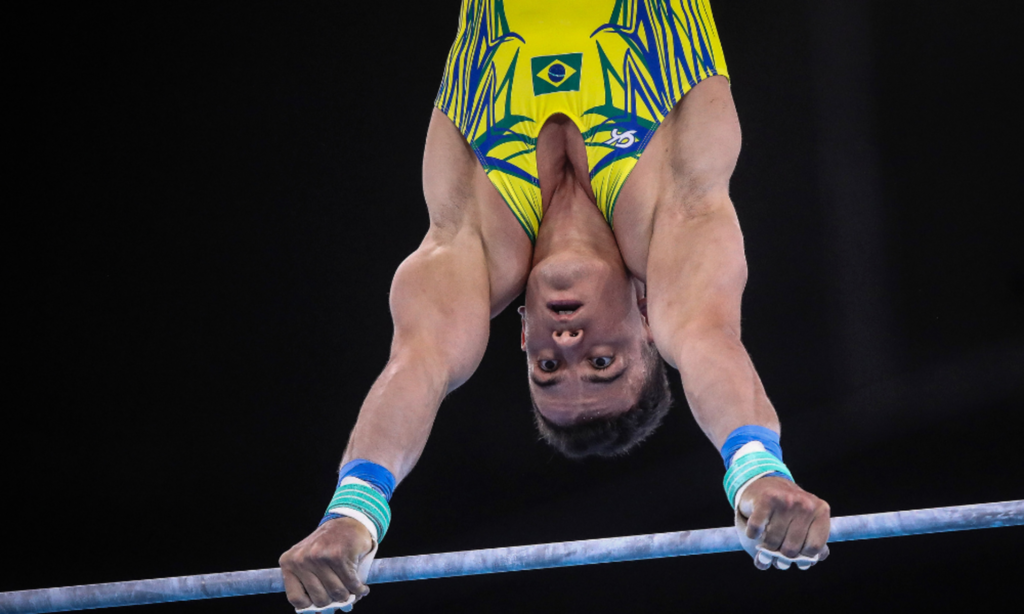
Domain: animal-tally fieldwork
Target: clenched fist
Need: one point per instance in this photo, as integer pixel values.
(330, 566)
(781, 524)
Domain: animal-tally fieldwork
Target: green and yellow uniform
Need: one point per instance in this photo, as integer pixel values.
(616, 68)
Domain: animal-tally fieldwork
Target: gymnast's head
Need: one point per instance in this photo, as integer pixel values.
(598, 384)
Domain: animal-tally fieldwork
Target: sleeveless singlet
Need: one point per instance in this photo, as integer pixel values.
(616, 68)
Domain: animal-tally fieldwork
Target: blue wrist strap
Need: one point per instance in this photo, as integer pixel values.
(770, 460)
(379, 478)
(744, 435)
(330, 516)
(371, 473)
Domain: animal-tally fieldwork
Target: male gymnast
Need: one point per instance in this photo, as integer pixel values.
(534, 179)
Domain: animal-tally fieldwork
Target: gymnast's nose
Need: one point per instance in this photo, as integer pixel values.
(568, 338)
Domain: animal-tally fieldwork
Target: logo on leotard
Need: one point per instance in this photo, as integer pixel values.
(622, 140)
(556, 73)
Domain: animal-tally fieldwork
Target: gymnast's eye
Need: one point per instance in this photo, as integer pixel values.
(548, 365)
(602, 362)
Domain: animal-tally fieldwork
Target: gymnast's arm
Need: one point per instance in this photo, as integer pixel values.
(696, 273)
(440, 306)
(442, 299)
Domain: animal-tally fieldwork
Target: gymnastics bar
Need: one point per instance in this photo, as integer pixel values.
(495, 560)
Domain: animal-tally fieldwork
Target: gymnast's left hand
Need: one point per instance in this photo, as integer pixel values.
(328, 569)
(780, 524)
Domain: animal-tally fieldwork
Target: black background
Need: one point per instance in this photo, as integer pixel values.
(209, 200)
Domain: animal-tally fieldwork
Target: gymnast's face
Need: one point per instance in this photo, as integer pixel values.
(584, 329)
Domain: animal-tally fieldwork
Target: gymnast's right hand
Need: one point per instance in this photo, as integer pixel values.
(329, 567)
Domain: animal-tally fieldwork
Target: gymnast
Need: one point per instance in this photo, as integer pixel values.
(534, 179)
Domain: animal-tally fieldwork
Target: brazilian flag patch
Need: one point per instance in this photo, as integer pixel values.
(556, 73)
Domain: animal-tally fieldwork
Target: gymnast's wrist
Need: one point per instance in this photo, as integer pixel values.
(750, 453)
(363, 493)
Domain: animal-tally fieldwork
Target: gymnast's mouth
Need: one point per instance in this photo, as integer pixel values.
(564, 309)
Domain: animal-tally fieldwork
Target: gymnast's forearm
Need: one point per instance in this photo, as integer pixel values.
(441, 310)
(722, 386)
(696, 275)
(397, 416)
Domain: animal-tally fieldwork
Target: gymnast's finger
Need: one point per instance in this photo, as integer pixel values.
(313, 587)
(824, 553)
(347, 571)
(817, 534)
(336, 590)
(775, 532)
(293, 589)
(796, 536)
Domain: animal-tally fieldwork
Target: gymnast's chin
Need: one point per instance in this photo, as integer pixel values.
(597, 383)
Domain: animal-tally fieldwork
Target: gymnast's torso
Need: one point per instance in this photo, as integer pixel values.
(608, 71)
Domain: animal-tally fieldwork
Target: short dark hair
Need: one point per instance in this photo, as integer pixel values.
(616, 435)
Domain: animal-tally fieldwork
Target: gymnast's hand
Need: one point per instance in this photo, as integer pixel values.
(780, 523)
(329, 567)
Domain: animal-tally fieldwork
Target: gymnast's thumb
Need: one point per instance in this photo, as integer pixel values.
(749, 544)
(744, 505)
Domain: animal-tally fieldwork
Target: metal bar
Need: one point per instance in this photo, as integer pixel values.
(495, 560)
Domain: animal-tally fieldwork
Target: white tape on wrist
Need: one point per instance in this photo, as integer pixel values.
(356, 514)
(747, 448)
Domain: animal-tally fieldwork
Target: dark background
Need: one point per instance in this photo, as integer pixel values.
(209, 200)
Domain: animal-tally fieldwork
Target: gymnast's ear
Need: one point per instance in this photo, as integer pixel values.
(522, 318)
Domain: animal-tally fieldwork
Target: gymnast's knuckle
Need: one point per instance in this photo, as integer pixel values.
(785, 501)
(318, 553)
(340, 557)
(287, 560)
(336, 549)
(349, 569)
(790, 552)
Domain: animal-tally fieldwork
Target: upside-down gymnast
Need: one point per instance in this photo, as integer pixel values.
(533, 178)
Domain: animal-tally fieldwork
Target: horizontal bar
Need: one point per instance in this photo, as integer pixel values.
(496, 560)
(683, 543)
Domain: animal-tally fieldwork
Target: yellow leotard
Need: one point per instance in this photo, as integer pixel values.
(616, 68)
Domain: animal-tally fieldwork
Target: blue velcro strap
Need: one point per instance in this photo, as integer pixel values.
(744, 435)
(330, 516)
(372, 473)
(380, 479)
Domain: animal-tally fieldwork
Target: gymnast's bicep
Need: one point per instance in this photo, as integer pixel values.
(440, 305)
